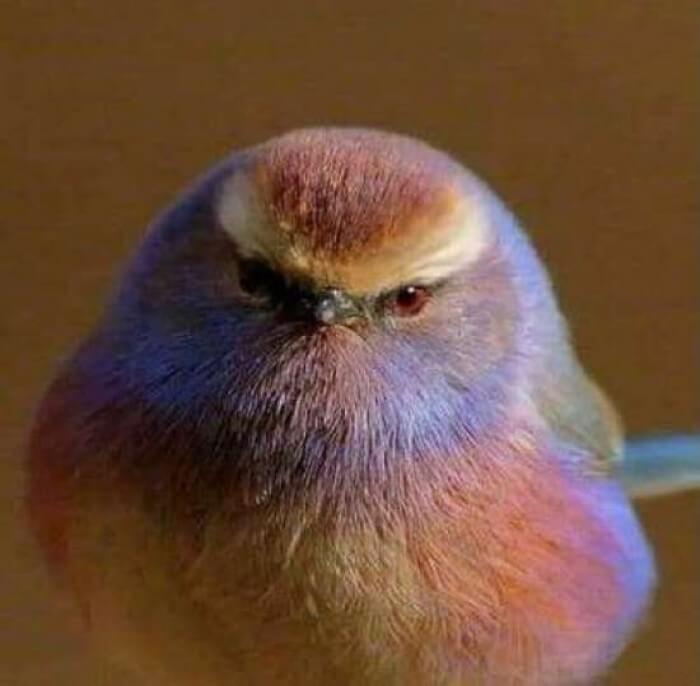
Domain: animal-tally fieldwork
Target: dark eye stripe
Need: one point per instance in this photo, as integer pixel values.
(260, 282)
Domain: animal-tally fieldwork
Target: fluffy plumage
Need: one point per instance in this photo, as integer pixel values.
(235, 493)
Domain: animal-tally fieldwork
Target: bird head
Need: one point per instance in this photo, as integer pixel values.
(330, 302)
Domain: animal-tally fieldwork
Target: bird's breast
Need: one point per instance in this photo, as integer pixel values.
(535, 578)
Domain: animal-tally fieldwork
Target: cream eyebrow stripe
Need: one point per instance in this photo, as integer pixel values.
(241, 216)
(427, 254)
(443, 251)
(454, 247)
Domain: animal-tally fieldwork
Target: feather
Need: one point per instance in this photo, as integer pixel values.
(660, 465)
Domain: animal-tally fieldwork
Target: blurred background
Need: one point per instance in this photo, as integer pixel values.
(583, 115)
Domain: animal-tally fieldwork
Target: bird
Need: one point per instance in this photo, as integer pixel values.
(331, 427)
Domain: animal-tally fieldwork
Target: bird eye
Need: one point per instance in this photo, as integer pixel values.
(260, 283)
(408, 301)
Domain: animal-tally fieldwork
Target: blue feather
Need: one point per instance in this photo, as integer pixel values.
(660, 464)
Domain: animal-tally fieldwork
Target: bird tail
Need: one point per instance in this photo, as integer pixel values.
(660, 465)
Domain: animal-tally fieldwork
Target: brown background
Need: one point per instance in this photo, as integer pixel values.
(583, 115)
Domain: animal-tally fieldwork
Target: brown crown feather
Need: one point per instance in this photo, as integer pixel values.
(340, 192)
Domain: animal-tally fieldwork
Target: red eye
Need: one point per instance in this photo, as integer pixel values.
(409, 300)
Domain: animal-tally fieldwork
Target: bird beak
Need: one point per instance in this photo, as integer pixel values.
(332, 306)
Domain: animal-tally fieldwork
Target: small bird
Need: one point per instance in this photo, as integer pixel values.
(331, 429)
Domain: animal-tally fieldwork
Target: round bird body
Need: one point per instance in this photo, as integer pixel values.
(330, 429)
